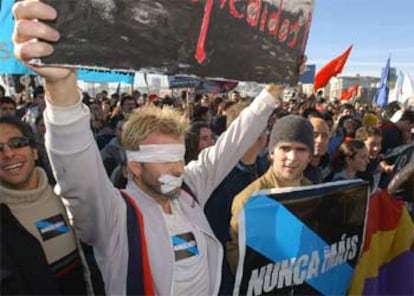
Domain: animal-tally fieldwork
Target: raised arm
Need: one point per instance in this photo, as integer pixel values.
(29, 31)
(215, 162)
(72, 150)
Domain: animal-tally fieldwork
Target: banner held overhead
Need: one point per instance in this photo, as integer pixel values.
(243, 40)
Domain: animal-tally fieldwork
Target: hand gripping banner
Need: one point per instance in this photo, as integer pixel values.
(246, 40)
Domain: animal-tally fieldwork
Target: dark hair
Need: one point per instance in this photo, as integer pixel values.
(3, 90)
(311, 112)
(346, 149)
(191, 140)
(391, 108)
(200, 112)
(217, 101)
(327, 116)
(7, 100)
(167, 101)
(86, 98)
(344, 118)
(346, 106)
(105, 101)
(23, 127)
(127, 98)
(38, 91)
(38, 119)
(407, 115)
(115, 96)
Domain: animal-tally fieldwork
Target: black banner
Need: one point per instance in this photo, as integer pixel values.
(246, 40)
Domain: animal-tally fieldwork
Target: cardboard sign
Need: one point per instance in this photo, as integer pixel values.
(246, 40)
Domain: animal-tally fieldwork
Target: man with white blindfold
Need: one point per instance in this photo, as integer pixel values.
(154, 238)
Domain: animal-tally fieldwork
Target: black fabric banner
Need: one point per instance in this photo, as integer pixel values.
(246, 40)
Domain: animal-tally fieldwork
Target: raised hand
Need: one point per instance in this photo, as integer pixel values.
(33, 39)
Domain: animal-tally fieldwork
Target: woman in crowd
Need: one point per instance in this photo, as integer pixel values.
(352, 157)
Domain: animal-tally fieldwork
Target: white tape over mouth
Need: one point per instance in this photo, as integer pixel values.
(170, 183)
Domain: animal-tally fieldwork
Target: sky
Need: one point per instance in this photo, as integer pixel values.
(376, 28)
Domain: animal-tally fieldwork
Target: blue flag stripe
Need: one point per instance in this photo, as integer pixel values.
(179, 241)
(43, 224)
(292, 239)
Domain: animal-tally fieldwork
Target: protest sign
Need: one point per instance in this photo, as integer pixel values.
(201, 85)
(303, 240)
(175, 81)
(247, 40)
(309, 75)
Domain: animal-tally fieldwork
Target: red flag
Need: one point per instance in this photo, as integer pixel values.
(331, 69)
(349, 93)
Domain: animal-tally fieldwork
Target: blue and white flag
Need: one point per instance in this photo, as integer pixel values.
(301, 241)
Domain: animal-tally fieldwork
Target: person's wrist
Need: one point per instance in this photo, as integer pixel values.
(62, 92)
(275, 90)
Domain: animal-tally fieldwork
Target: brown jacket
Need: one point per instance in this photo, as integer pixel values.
(267, 181)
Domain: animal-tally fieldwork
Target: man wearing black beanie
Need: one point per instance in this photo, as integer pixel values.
(290, 147)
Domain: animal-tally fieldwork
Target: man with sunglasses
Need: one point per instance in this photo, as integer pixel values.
(39, 250)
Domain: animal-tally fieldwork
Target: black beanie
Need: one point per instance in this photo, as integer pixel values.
(292, 128)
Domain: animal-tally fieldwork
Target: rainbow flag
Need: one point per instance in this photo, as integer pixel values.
(386, 265)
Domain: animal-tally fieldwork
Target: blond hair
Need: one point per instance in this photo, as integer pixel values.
(149, 119)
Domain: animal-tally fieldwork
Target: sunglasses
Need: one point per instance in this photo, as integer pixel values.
(15, 143)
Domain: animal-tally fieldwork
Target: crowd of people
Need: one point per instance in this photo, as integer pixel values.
(147, 193)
